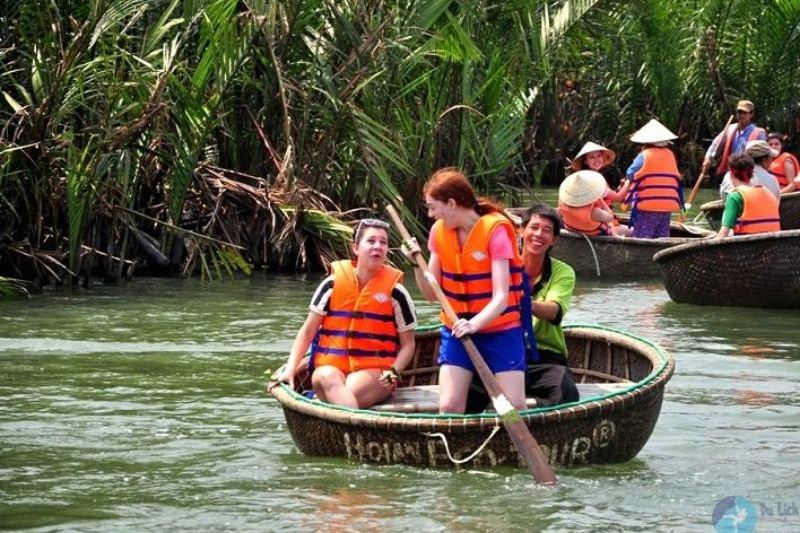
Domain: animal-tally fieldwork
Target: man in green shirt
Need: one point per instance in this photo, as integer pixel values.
(549, 284)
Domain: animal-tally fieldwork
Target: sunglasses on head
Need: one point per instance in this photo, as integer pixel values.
(369, 223)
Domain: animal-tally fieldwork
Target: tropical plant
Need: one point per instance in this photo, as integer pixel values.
(212, 134)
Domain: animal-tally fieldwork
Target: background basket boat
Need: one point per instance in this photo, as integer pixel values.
(614, 257)
(622, 379)
(619, 258)
(749, 271)
(790, 211)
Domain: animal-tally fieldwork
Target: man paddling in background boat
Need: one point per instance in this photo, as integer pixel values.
(734, 138)
(548, 285)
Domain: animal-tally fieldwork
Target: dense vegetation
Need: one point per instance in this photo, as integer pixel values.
(213, 135)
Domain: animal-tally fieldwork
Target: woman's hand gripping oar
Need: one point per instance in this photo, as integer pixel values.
(521, 436)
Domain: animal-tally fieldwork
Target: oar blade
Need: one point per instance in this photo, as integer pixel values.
(529, 450)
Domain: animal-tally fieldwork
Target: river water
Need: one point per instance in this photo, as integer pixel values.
(140, 408)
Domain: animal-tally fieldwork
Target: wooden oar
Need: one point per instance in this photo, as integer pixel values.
(688, 204)
(521, 436)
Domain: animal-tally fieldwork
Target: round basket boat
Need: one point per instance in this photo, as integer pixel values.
(617, 258)
(789, 209)
(759, 270)
(621, 379)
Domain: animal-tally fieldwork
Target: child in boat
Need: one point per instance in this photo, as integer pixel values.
(474, 258)
(581, 205)
(361, 322)
(748, 208)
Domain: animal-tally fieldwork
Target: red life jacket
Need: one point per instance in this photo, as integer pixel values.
(467, 271)
(778, 168)
(656, 187)
(761, 211)
(723, 162)
(359, 330)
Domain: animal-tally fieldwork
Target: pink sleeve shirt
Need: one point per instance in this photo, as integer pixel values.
(500, 245)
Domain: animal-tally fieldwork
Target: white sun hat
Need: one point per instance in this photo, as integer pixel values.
(653, 132)
(582, 188)
(608, 155)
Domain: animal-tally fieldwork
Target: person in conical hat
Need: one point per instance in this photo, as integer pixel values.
(581, 204)
(654, 182)
(593, 156)
(597, 157)
(654, 133)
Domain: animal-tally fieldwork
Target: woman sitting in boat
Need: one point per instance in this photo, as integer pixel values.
(785, 167)
(748, 208)
(360, 326)
(597, 157)
(655, 182)
(581, 205)
(474, 257)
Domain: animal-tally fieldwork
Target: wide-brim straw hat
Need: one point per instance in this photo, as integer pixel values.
(653, 132)
(582, 188)
(608, 155)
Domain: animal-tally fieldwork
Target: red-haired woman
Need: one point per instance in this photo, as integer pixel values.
(474, 257)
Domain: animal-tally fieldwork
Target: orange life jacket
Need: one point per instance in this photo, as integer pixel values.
(778, 168)
(656, 187)
(580, 218)
(359, 330)
(723, 162)
(761, 211)
(467, 271)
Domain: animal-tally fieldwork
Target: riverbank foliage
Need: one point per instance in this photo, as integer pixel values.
(210, 136)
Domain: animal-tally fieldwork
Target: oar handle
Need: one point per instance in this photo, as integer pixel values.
(437, 290)
(696, 187)
(520, 434)
(704, 172)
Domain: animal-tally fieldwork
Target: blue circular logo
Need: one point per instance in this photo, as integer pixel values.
(734, 514)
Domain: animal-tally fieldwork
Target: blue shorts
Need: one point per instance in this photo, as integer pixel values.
(503, 351)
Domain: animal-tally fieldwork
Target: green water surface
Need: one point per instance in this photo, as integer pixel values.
(140, 408)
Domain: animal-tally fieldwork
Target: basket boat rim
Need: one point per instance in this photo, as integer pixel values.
(728, 242)
(653, 383)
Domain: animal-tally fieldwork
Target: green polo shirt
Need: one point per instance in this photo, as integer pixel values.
(555, 285)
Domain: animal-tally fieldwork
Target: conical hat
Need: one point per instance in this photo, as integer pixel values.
(609, 155)
(582, 188)
(653, 132)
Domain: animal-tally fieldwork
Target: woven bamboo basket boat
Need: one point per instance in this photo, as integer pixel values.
(619, 258)
(614, 257)
(621, 379)
(749, 271)
(789, 209)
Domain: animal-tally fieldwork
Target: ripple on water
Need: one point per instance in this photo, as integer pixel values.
(149, 415)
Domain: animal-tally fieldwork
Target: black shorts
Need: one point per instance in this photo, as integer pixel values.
(549, 382)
